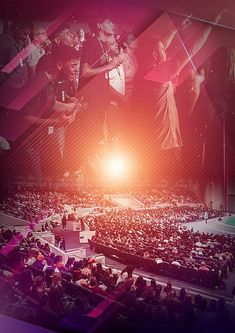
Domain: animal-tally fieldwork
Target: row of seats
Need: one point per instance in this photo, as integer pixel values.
(208, 279)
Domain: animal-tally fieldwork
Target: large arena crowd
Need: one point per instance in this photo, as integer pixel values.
(155, 197)
(158, 237)
(38, 287)
(74, 93)
(155, 239)
(34, 204)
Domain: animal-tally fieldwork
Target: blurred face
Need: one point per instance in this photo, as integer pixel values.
(132, 42)
(76, 38)
(112, 45)
(41, 36)
(23, 33)
(71, 68)
(107, 26)
(66, 37)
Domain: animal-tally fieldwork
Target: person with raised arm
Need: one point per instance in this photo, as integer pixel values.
(163, 73)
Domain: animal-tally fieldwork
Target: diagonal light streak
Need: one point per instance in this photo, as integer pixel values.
(50, 157)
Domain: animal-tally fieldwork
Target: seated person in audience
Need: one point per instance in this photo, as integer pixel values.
(55, 293)
(39, 291)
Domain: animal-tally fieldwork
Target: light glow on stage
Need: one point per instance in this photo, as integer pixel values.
(116, 166)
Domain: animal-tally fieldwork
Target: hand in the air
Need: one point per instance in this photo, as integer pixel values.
(219, 16)
(186, 22)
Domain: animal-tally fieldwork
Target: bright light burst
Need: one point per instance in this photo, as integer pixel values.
(116, 166)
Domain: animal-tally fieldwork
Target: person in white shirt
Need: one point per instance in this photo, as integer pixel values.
(39, 43)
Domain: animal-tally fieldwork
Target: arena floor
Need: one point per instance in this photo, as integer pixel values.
(226, 226)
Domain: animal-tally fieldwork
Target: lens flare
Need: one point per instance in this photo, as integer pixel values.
(116, 166)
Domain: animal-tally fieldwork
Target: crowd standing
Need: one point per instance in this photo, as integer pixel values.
(74, 94)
